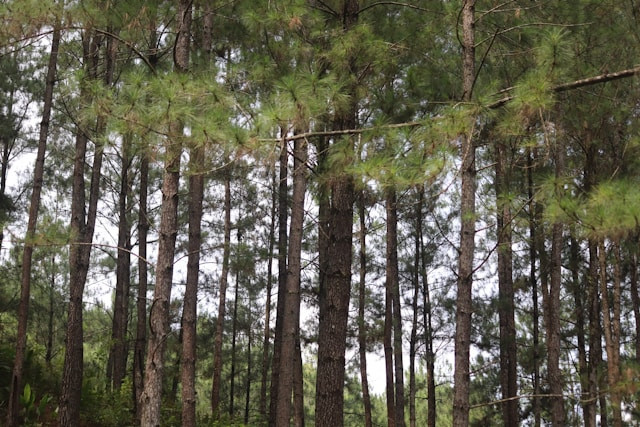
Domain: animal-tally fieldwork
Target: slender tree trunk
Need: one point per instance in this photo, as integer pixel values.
(190, 300)
(362, 337)
(393, 281)
(224, 276)
(291, 316)
(27, 255)
(506, 309)
(595, 335)
(464, 306)
(118, 353)
(578, 292)
(533, 244)
(234, 335)
(611, 322)
(82, 228)
(552, 306)
(247, 396)
(414, 325)
(298, 386)
(388, 356)
(52, 304)
(141, 303)
(267, 309)
(426, 316)
(151, 397)
(282, 277)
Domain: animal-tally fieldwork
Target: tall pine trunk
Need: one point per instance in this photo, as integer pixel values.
(464, 306)
(362, 337)
(151, 397)
(222, 302)
(291, 315)
(83, 220)
(190, 299)
(27, 255)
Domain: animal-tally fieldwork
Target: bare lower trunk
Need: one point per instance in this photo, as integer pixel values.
(224, 275)
(282, 278)
(190, 300)
(27, 255)
(159, 330)
(464, 306)
(234, 332)
(291, 316)
(362, 338)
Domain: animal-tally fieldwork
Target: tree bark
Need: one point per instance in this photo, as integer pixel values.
(234, 332)
(118, 353)
(141, 303)
(362, 337)
(190, 300)
(27, 255)
(291, 315)
(413, 341)
(335, 290)
(393, 282)
(224, 276)
(464, 306)
(282, 276)
(159, 316)
(82, 228)
(506, 306)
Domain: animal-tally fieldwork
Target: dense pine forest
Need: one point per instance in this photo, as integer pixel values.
(319, 212)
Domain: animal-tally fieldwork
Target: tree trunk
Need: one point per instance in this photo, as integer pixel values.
(388, 356)
(190, 300)
(506, 309)
(27, 255)
(393, 282)
(578, 292)
(282, 277)
(118, 353)
(362, 337)
(224, 276)
(267, 308)
(82, 228)
(141, 303)
(426, 316)
(413, 341)
(611, 322)
(247, 396)
(595, 336)
(635, 297)
(298, 387)
(551, 301)
(234, 332)
(335, 290)
(159, 316)
(464, 306)
(291, 315)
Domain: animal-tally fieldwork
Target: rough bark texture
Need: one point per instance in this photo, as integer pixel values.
(362, 337)
(118, 353)
(551, 301)
(506, 309)
(335, 285)
(291, 316)
(467, 233)
(267, 308)
(190, 300)
(282, 277)
(151, 398)
(393, 282)
(141, 303)
(27, 255)
(224, 276)
(82, 226)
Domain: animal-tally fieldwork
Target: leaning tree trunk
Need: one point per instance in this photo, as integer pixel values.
(27, 255)
(464, 306)
(151, 398)
(82, 227)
